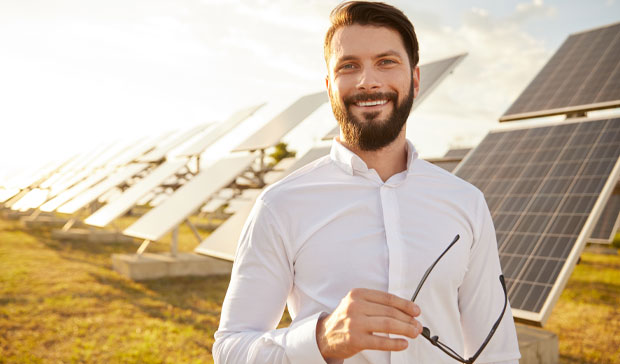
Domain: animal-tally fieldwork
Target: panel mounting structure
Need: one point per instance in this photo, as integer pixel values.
(545, 187)
(583, 75)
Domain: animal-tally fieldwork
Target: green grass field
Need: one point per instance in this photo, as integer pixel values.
(60, 302)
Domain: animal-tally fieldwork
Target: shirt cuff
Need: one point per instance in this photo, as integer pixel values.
(301, 345)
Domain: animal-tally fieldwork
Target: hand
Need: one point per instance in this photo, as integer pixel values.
(362, 312)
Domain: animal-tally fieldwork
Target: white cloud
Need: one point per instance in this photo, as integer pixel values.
(536, 8)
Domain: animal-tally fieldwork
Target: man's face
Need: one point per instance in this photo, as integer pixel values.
(371, 85)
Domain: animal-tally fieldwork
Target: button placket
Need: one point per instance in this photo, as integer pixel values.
(391, 222)
(389, 204)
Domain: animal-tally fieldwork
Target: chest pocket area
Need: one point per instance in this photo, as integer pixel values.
(447, 274)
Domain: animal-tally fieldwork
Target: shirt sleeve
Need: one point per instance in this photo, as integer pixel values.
(261, 280)
(481, 297)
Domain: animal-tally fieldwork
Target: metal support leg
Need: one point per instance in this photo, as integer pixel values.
(69, 224)
(261, 171)
(194, 230)
(143, 246)
(174, 247)
(34, 215)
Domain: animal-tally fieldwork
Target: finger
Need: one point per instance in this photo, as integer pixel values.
(375, 309)
(389, 325)
(387, 299)
(374, 342)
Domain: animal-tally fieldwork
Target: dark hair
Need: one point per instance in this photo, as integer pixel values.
(377, 14)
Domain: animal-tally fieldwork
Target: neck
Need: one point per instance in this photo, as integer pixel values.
(388, 160)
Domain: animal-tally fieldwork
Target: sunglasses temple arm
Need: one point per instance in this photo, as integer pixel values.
(435, 342)
(495, 326)
(428, 271)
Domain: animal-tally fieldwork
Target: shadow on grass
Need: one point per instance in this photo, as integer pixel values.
(201, 297)
(599, 293)
(598, 265)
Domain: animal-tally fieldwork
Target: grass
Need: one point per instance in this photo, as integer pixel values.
(587, 315)
(61, 302)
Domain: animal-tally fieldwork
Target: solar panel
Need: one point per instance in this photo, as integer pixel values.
(609, 222)
(222, 243)
(583, 75)
(94, 192)
(137, 149)
(545, 187)
(457, 153)
(160, 151)
(6, 193)
(218, 131)
(128, 199)
(188, 199)
(451, 159)
(70, 193)
(431, 75)
(271, 133)
(74, 171)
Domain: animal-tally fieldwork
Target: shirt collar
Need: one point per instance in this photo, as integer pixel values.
(352, 164)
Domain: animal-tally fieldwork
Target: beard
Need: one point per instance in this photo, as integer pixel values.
(372, 134)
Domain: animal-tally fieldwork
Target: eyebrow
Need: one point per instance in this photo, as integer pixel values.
(380, 55)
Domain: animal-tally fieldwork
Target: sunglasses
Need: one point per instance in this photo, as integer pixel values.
(426, 333)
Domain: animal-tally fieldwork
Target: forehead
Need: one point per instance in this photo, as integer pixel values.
(365, 41)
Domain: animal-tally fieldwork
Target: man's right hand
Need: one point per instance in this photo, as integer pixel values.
(362, 312)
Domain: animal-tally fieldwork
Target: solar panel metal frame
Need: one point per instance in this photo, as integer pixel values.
(441, 68)
(613, 202)
(218, 131)
(549, 75)
(539, 318)
(171, 213)
(160, 151)
(271, 133)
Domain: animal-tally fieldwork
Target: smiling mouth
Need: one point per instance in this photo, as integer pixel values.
(371, 103)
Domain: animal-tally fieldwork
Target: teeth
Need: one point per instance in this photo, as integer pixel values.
(372, 103)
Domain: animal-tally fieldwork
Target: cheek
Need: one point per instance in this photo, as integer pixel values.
(343, 85)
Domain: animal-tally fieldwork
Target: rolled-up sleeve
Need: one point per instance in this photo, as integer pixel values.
(481, 297)
(262, 277)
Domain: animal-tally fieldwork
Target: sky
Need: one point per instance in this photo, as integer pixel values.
(77, 74)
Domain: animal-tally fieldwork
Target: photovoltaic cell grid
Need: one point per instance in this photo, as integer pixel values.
(584, 74)
(541, 184)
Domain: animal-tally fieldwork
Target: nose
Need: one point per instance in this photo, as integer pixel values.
(368, 80)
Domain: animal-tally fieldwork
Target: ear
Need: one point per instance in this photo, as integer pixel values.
(416, 81)
(327, 85)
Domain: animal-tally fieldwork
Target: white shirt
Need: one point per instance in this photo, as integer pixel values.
(334, 225)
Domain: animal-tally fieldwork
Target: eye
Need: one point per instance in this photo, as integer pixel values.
(387, 62)
(347, 66)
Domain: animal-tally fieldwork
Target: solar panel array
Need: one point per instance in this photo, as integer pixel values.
(584, 74)
(542, 185)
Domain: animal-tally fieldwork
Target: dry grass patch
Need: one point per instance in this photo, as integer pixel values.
(62, 302)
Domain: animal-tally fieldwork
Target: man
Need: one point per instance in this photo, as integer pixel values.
(345, 240)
